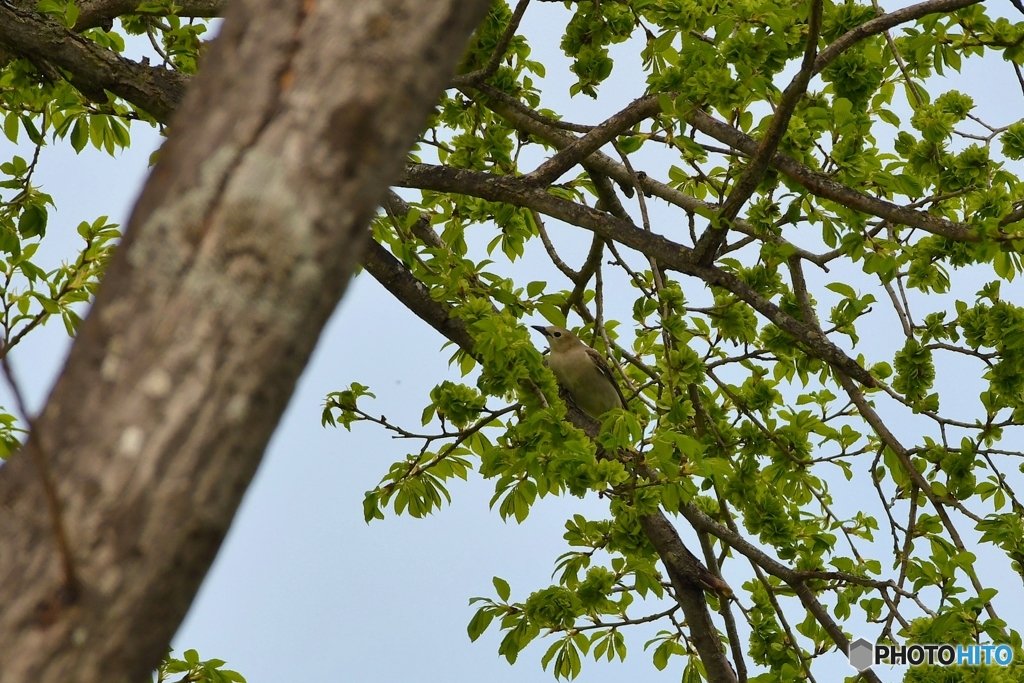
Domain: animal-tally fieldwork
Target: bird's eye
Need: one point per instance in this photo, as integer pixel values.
(558, 334)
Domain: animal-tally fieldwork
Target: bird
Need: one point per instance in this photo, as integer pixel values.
(583, 372)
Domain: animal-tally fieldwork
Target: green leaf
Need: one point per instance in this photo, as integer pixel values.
(79, 135)
(30, 129)
(842, 111)
(33, 221)
(502, 587)
(552, 650)
(97, 130)
(630, 144)
(49, 305)
(535, 288)
(842, 289)
(11, 125)
(479, 623)
(71, 14)
(889, 117)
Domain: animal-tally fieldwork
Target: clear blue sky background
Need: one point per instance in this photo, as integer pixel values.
(303, 589)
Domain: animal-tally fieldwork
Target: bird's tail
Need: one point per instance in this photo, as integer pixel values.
(712, 583)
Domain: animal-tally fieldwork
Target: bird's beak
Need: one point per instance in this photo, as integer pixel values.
(540, 329)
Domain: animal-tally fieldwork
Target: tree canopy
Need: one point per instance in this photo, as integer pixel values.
(796, 246)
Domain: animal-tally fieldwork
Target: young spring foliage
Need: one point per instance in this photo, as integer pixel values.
(852, 332)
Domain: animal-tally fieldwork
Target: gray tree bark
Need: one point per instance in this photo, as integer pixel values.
(237, 252)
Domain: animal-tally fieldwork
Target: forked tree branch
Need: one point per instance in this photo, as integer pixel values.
(499, 50)
(816, 183)
(528, 121)
(706, 250)
(93, 69)
(581, 148)
(822, 186)
(885, 22)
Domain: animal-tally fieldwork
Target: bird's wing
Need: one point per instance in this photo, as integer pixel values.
(706, 579)
(603, 366)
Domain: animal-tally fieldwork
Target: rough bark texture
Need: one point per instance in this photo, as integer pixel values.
(91, 68)
(236, 254)
(681, 565)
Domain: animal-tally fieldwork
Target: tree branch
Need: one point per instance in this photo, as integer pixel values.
(499, 51)
(528, 121)
(93, 69)
(587, 270)
(93, 13)
(889, 439)
(706, 250)
(884, 23)
(689, 576)
(669, 254)
(702, 522)
(823, 186)
(403, 285)
(685, 571)
(581, 148)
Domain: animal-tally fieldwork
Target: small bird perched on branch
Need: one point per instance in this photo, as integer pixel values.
(583, 372)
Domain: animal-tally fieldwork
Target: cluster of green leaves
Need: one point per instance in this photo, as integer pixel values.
(194, 670)
(37, 112)
(727, 411)
(31, 296)
(587, 612)
(178, 41)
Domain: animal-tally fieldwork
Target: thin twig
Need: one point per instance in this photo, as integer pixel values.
(35, 449)
(499, 50)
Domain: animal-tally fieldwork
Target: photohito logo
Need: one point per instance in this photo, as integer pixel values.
(864, 654)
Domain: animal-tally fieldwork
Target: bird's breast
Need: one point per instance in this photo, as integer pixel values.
(592, 391)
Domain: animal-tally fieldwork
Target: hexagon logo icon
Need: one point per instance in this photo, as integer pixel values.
(861, 654)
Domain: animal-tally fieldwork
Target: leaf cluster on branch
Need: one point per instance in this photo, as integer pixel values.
(745, 389)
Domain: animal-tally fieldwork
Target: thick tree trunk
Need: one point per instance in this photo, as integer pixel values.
(235, 256)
